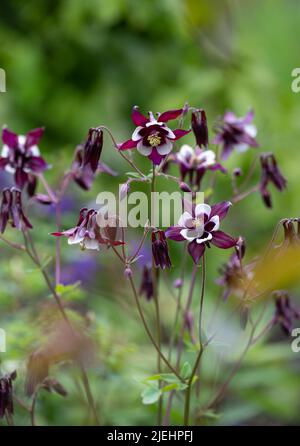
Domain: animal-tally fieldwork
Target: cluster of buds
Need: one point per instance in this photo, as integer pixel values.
(11, 210)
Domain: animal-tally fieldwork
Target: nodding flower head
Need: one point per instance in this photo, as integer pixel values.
(160, 250)
(285, 311)
(6, 394)
(93, 148)
(195, 162)
(238, 133)
(200, 227)
(146, 286)
(199, 127)
(291, 227)
(89, 234)
(152, 137)
(270, 174)
(21, 156)
(11, 210)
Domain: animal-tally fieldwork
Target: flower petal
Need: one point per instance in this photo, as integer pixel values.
(136, 134)
(166, 148)
(137, 117)
(179, 133)
(33, 137)
(170, 114)
(9, 138)
(155, 157)
(185, 220)
(220, 209)
(201, 209)
(36, 164)
(143, 150)
(129, 144)
(173, 233)
(222, 240)
(196, 251)
(185, 153)
(191, 234)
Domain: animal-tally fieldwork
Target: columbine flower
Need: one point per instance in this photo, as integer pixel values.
(88, 233)
(152, 137)
(21, 156)
(285, 311)
(146, 286)
(199, 127)
(195, 163)
(236, 133)
(270, 174)
(201, 227)
(160, 250)
(6, 394)
(11, 210)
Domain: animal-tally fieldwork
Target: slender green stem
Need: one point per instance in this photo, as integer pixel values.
(171, 368)
(197, 362)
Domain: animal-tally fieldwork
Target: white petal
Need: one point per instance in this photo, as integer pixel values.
(185, 153)
(166, 148)
(202, 209)
(154, 122)
(190, 234)
(74, 239)
(242, 147)
(251, 130)
(216, 220)
(184, 219)
(34, 150)
(136, 134)
(91, 244)
(5, 151)
(21, 141)
(202, 240)
(208, 158)
(144, 150)
(170, 134)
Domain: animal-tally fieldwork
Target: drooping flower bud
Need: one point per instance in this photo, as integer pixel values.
(199, 127)
(6, 394)
(93, 148)
(160, 250)
(146, 287)
(177, 283)
(11, 210)
(270, 174)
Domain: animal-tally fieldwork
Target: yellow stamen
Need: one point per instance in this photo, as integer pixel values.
(154, 139)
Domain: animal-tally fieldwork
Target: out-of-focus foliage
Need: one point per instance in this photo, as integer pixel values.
(71, 65)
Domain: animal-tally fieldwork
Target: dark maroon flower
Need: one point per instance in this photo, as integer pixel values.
(285, 311)
(11, 210)
(21, 156)
(89, 233)
(194, 163)
(152, 137)
(83, 172)
(199, 127)
(6, 394)
(201, 227)
(270, 174)
(146, 287)
(160, 250)
(236, 133)
(93, 148)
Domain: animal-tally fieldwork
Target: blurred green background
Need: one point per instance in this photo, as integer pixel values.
(71, 65)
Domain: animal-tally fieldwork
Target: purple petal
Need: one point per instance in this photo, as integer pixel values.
(179, 133)
(9, 138)
(155, 157)
(33, 137)
(138, 118)
(173, 233)
(21, 177)
(220, 209)
(196, 250)
(170, 114)
(36, 164)
(249, 117)
(218, 167)
(104, 168)
(227, 149)
(129, 144)
(3, 162)
(222, 240)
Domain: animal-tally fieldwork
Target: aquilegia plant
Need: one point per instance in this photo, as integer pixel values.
(200, 232)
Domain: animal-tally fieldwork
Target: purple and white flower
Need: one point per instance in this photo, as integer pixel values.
(200, 227)
(21, 157)
(238, 133)
(152, 137)
(195, 162)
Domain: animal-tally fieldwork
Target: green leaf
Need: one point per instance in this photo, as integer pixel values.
(63, 289)
(150, 395)
(186, 370)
